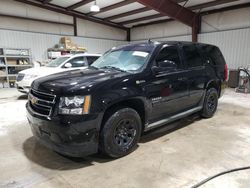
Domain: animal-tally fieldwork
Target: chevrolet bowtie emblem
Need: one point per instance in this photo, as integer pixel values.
(33, 100)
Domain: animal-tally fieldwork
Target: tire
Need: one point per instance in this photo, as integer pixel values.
(210, 103)
(120, 133)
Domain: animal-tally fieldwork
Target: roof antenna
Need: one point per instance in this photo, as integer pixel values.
(150, 41)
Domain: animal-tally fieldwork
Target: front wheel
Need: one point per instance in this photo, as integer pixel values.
(210, 103)
(121, 133)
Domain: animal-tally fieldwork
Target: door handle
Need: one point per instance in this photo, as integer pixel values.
(182, 79)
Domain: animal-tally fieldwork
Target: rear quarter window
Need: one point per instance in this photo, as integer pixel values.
(192, 56)
(214, 54)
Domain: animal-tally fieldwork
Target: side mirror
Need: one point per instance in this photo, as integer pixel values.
(68, 65)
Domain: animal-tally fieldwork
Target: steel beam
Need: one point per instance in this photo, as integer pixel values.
(46, 1)
(111, 7)
(195, 7)
(79, 4)
(136, 11)
(141, 19)
(171, 9)
(128, 13)
(210, 4)
(234, 7)
(153, 22)
(62, 10)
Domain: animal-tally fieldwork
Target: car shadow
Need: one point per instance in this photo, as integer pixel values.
(169, 128)
(47, 158)
(22, 97)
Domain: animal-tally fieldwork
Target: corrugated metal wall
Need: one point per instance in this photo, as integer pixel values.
(234, 44)
(90, 29)
(39, 43)
(229, 30)
(163, 30)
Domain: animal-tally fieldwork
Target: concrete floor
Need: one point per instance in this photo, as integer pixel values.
(178, 155)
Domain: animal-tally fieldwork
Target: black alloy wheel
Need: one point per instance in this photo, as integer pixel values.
(121, 132)
(125, 133)
(210, 103)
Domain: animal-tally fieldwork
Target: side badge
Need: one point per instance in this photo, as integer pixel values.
(157, 99)
(140, 81)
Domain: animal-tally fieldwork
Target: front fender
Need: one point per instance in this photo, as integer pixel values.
(118, 95)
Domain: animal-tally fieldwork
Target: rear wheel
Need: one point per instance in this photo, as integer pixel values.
(121, 132)
(210, 103)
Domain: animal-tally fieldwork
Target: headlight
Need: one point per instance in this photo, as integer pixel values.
(30, 76)
(75, 105)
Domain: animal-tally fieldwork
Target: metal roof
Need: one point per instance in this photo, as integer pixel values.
(130, 13)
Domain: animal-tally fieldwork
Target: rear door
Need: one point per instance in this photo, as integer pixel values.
(195, 66)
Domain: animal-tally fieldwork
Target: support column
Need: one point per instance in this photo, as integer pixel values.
(196, 28)
(75, 25)
(128, 34)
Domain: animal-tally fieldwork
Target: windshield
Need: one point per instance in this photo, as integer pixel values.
(129, 58)
(57, 62)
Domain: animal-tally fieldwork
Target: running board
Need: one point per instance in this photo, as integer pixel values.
(172, 118)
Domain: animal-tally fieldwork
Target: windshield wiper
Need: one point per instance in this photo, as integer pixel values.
(114, 68)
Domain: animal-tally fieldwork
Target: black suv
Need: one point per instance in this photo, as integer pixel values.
(129, 90)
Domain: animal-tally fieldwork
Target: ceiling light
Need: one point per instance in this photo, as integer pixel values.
(95, 8)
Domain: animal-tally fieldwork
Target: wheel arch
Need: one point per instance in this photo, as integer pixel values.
(214, 84)
(137, 104)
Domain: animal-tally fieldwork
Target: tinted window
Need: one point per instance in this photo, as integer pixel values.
(169, 53)
(192, 56)
(214, 54)
(91, 59)
(126, 58)
(78, 62)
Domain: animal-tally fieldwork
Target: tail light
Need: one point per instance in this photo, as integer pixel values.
(226, 72)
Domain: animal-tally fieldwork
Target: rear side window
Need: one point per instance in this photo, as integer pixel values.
(92, 59)
(192, 56)
(214, 55)
(169, 53)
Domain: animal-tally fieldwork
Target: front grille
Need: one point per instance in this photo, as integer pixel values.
(20, 76)
(41, 103)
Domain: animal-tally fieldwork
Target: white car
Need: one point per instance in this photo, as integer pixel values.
(64, 63)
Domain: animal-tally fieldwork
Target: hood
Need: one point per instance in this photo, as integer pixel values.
(76, 81)
(44, 71)
(41, 71)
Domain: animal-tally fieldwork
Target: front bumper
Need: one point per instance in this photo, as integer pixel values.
(23, 89)
(24, 86)
(75, 136)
